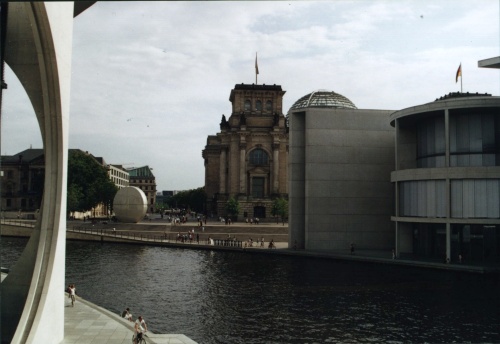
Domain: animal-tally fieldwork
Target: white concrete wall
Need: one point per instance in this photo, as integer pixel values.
(39, 46)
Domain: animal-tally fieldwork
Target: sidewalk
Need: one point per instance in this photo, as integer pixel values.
(86, 323)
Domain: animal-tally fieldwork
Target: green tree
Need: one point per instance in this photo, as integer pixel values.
(280, 209)
(232, 207)
(74, 195)
(193, 200)
(88, 183)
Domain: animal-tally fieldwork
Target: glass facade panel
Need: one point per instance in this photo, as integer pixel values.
(475, 198)
(431, 147)
(472, 138)
(422, 198)
(475, 243)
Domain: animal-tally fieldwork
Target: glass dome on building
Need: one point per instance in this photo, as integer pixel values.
(323, 99)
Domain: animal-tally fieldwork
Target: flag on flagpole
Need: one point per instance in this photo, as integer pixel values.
(459, 73)
(256, 65)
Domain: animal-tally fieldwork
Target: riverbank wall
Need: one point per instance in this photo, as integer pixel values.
(155, 236)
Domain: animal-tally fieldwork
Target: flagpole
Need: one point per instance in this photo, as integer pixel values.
(461, 77)
(256, 69)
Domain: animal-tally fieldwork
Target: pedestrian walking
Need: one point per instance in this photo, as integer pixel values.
(72, 294)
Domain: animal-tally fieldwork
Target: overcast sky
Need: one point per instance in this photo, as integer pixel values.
(151, 80)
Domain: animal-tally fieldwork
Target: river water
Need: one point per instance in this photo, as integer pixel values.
(238, 297)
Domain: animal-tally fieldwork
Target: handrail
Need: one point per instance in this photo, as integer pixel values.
(19, 223)
(155, 238)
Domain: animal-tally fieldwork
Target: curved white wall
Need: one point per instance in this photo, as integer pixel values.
(39, 45)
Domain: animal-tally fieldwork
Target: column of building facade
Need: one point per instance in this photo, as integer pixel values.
(243, 147)
(448, 186)
(223, 171)
(276, 165)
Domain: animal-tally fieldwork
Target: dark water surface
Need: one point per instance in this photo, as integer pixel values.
(233, 297)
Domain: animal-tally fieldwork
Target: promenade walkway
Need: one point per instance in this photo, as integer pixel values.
(86, 323)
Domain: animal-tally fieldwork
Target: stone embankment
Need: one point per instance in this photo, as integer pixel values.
(164, 234)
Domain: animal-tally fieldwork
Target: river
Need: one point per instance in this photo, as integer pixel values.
(238, 297)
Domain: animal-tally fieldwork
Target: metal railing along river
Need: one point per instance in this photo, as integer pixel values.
(19, 223)
(163, 238)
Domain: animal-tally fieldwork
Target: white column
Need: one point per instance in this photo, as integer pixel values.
(39, 41)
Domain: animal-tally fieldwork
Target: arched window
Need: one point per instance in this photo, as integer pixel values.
(248, 105)
(258, 157)
(269, 105)
(258, 105)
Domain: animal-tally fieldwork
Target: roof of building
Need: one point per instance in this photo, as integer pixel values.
(323, 99)
(25, 155)
(144, 171)
(257, 87)
(462, 95)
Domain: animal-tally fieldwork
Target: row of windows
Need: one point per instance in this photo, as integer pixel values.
(119, 181)
(119, 174)
(258, 105)
(148, 188)
(461, 160)
(474, 141)
(142, 181)
(469, 198)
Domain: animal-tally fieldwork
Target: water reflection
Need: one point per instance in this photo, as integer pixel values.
(233, 297)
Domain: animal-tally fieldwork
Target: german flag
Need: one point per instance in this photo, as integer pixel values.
(459, 73)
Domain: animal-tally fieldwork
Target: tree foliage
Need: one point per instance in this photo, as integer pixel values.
(280, 209)
(232, 207)
(88, 183)
(193, 200)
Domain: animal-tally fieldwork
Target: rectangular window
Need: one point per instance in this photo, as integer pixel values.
(258, 187)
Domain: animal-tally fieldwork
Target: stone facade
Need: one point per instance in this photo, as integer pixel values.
(144, 179)
(248, 158)
(22, 180)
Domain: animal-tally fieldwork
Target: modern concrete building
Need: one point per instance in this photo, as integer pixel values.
(447, 178)
(248, 159)
(144, 179)
(340, 162)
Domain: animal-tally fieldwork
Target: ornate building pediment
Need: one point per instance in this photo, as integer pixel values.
(258, 170)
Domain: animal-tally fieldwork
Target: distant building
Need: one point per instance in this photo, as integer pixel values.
(163, 197)
(144, 179)
(22, 180)
(341, 158)
(23, 177)
(248, 158)
(118, 175)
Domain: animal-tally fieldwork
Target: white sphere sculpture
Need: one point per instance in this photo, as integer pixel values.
(130, 204)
